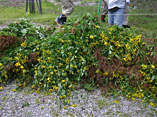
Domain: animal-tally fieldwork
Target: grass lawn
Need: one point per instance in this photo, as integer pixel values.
(145, 24)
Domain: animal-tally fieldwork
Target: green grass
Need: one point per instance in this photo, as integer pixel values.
(145, 24)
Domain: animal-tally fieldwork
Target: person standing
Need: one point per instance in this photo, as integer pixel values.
(126, 14)
(104, 11)
(116, 12)
(67, 9)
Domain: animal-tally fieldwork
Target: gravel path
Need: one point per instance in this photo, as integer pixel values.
(26, 103)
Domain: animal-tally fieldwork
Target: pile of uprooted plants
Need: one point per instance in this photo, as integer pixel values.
(79, 54)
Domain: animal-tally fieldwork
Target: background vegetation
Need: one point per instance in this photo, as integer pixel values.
(146, 24)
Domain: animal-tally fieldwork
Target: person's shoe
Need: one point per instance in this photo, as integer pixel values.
(126, 26)
(103, 18)
(64, 18)
(61, 19)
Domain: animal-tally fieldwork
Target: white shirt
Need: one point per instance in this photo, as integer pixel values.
(116, 3)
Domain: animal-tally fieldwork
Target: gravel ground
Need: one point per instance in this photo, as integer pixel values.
(26, 103)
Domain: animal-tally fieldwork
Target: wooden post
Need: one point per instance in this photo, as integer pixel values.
(40, 6)
(31, 5)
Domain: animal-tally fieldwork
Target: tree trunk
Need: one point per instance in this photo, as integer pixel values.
(26, 6)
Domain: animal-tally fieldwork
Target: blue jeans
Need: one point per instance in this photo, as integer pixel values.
(116, 17)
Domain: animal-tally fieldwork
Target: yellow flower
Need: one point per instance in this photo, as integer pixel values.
(60, 65)
(147, 53)
(1, 64)
(110, 33)
(50, 90)
(151, 103)
(152, 66)
(67, 60)
(51, 73)
(131, 40)
(125, 59)
(144, 66)
(42, 66)
(24, 71)
(75, 66)
(63, 81)
(69, 94)
(133, 99)
(129, 56)
(48, 78)
(74, 105)
(17, 64)
(14, 90)
(36, 72)
(92, 37)
(81, 58)
(111, 29)
(50, 67)
(67, 101)
(97, 71)
(71, 65)
(27, 13)
(135, 50)
(70, 54)
(64, 96)
(96, 26)
(105, 43)
(61, 40)
(56, 88)
(86, 68)
(106, 73)
(6, 76)
(106, 38)
(24, 44)
(65, 107)
(116, 101)
(21, 67)
(143, 101)
(60, 97)
(1, 88)
(127, 46)
(76, 42)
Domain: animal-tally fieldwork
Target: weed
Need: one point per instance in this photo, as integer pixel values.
(4, 97)
(102, 103)
(25, 104)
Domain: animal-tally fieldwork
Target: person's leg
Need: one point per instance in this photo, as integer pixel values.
(126, 16)
(110, 18)
(118, 19)
(67, 9)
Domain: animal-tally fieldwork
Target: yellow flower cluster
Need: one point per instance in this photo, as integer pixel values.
(24, 44)
(92, 37)
(74, 105)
